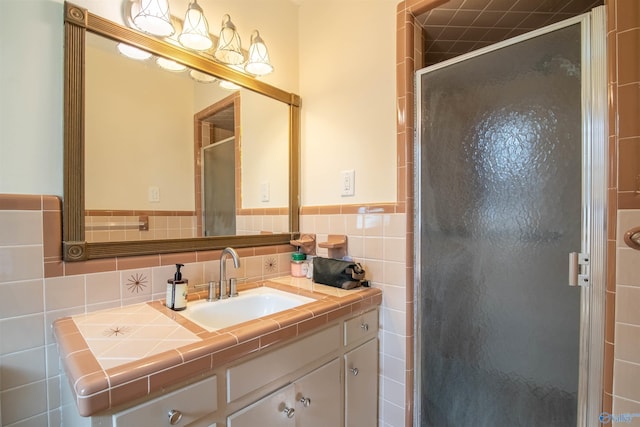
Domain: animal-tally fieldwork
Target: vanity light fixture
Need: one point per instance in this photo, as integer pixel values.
(229, 49)
(225, 84)
(154, 18)
(195, 30)
(170, 65)
(201, 77)
(133, 52)
(258, 63)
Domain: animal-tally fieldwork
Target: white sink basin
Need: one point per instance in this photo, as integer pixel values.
(250, 304)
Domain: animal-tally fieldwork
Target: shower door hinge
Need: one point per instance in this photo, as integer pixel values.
(578, 269)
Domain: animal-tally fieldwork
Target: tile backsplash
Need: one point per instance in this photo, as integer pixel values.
(32, 390)
(115, 226)
(32, 295)
(376, 237)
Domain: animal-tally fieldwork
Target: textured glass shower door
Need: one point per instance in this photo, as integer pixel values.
(500, 180)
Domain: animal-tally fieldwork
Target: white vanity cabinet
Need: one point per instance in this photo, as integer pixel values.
(361, 370)
(319, 397)
(277, 409)
(341, 392)
(312, 401)
(360, 328)
(327, 378)
(273, 367)
(361, 385)
(179, 408)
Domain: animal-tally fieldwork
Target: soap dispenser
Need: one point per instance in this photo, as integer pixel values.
(177, 291)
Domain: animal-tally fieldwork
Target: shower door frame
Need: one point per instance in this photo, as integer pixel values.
(594, 209)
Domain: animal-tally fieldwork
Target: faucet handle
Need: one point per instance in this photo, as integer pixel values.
(212, 291)
(211, 288)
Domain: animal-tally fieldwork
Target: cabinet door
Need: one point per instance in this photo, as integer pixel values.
(183, 406)
(318, 397)
(277, 409)
(361, 385)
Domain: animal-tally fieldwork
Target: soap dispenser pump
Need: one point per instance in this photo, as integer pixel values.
(177, 291)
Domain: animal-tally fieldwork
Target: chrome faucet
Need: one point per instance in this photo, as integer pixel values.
(233, 292)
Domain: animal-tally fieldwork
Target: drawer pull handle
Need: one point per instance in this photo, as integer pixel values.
(174, 416)
(354, 371)
(365, 327)
(289, 412)
(306, 402)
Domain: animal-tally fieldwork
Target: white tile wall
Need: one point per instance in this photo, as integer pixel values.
(33, 390)
(626, 370)
(379, 242)
(29, 302)
(23, 355)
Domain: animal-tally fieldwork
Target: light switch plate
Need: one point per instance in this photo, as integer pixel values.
(348, 181)
(264, 192)
(154, 194)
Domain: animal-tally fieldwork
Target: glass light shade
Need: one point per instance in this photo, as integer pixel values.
(229, 85)
(154, 18)
(133, 52)
(258, 63)
(170, 65)
(195, 30)
(229, 50)
(201, 77)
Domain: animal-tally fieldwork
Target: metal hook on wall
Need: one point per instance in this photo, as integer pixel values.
(632, 238)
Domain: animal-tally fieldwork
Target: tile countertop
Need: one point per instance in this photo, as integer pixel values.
(116, 355)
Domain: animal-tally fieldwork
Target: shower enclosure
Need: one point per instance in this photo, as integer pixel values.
(219, 188)
(504, 192)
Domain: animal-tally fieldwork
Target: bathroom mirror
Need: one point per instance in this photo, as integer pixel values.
(265, 121)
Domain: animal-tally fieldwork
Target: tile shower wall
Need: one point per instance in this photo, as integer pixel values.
(32, 392)
(622, 339)
(377, 239)
(626, 390)
(623, 46)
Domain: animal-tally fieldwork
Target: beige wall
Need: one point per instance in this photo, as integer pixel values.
(265, 151)
(31, 97)
(159, 119)
(360, 117)
(347, 73)
(118, 172)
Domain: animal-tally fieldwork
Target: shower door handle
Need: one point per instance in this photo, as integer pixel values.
(578, 269)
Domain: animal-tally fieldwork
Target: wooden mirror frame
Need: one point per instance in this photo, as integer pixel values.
(77, 21)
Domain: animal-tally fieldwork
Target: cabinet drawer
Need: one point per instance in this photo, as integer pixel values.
(255, 373)
(365, 325)
(193, 401)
